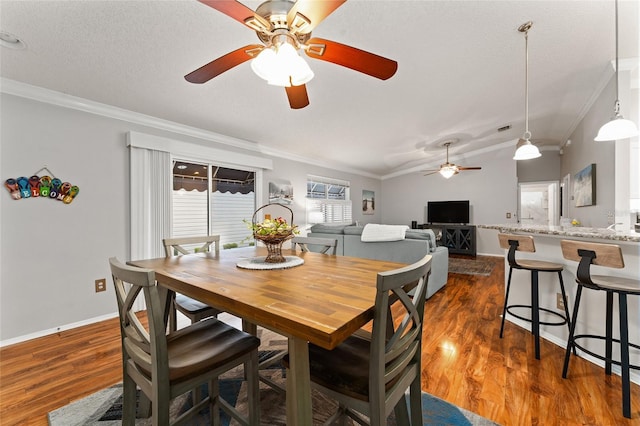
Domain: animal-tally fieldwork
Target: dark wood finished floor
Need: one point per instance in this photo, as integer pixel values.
(464, 362)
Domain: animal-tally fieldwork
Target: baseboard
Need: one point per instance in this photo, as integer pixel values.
(634, 377)
(490, 255)
(50, 331)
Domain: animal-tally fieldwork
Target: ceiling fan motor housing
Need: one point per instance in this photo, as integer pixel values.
(275, 12)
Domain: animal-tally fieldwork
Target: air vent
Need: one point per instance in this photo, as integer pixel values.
(503, 128)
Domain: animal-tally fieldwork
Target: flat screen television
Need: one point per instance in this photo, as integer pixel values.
(448, 212)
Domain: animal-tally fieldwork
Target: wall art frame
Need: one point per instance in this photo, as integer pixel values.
(584, 186)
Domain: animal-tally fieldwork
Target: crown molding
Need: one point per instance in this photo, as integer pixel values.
(626, 64)
(52, 97)
(17, 88)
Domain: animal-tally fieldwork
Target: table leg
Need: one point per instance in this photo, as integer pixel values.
(298, 384)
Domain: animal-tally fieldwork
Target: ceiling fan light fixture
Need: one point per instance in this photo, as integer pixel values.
(448, 170)
(281, 65)
(525, 150)
(618, 127)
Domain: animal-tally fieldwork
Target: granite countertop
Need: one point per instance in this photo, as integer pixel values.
(569, 231)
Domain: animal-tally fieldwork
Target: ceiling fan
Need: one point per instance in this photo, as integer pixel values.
(449, 169)
(284, 27)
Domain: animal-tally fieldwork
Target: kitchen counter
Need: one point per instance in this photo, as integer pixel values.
(569, 231)
(592, 312)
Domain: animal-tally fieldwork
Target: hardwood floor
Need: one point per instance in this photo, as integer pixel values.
(464, 362)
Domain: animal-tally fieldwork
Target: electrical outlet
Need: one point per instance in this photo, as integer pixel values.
(508, 215)
(101, 285)
(559, 301)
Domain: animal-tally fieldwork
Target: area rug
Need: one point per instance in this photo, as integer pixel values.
(459, 265)
(104, 408)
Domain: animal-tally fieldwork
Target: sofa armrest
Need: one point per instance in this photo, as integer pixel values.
(439, 270)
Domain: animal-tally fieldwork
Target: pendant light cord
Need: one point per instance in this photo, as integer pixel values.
(524, 28)
(617, 106)
(526, 85)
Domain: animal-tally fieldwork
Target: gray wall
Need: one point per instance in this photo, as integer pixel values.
(296, 173)
(492, 193)
(541, 169)
(583, 151)
(493, 190)
(51, 252)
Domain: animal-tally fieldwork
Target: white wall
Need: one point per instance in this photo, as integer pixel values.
(53, 252)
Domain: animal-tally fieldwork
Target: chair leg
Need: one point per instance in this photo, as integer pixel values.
(400, 410)
(214, 404)
(570, 343)
(506, 299)
(253, 389)
(128, 401)
(415, 400)
(173, 316)
(566, 305)
(535, 312)
(608, 347)
(160, 405)
(624, 356)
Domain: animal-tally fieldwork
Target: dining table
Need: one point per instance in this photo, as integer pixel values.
(322, 300)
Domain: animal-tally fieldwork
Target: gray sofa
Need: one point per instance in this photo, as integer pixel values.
(417, 243)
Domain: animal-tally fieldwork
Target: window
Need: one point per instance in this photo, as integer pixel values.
(212, 200)
(328, 200)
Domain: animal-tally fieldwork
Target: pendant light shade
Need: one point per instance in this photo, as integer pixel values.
(618, 127)
(525, 150)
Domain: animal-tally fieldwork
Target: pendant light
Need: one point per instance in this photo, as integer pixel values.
(618, 127)
(525, 150)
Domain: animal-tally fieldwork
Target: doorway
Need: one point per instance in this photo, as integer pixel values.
(539, 203)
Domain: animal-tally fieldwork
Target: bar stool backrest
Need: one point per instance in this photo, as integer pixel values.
(609, 255)
(514, 243)
(525, 242)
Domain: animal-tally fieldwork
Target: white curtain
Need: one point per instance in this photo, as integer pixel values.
(150, 179)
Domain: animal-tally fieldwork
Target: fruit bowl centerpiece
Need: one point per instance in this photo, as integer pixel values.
(273, 232)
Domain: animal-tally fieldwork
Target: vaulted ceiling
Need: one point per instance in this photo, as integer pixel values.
(460, 73)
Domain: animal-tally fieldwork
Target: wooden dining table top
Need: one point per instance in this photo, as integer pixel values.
(323, 301)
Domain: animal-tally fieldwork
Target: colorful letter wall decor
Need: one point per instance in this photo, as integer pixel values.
(44, 187)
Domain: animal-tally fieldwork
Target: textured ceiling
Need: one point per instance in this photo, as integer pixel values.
(460, 73)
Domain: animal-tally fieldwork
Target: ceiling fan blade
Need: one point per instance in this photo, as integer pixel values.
(223, 63)
(241, 13)
(351, 57)
(297, 96)
(430, 172)
(305, 15)
(469, 168)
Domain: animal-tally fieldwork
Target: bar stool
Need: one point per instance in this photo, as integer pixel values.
(525, 243)
(606, 255)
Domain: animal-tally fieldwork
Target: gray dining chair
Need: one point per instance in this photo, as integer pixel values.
(165, 366)
(369, 373)
(189, 307)
(320, 245)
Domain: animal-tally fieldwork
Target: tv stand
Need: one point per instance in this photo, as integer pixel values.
(459, 239)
